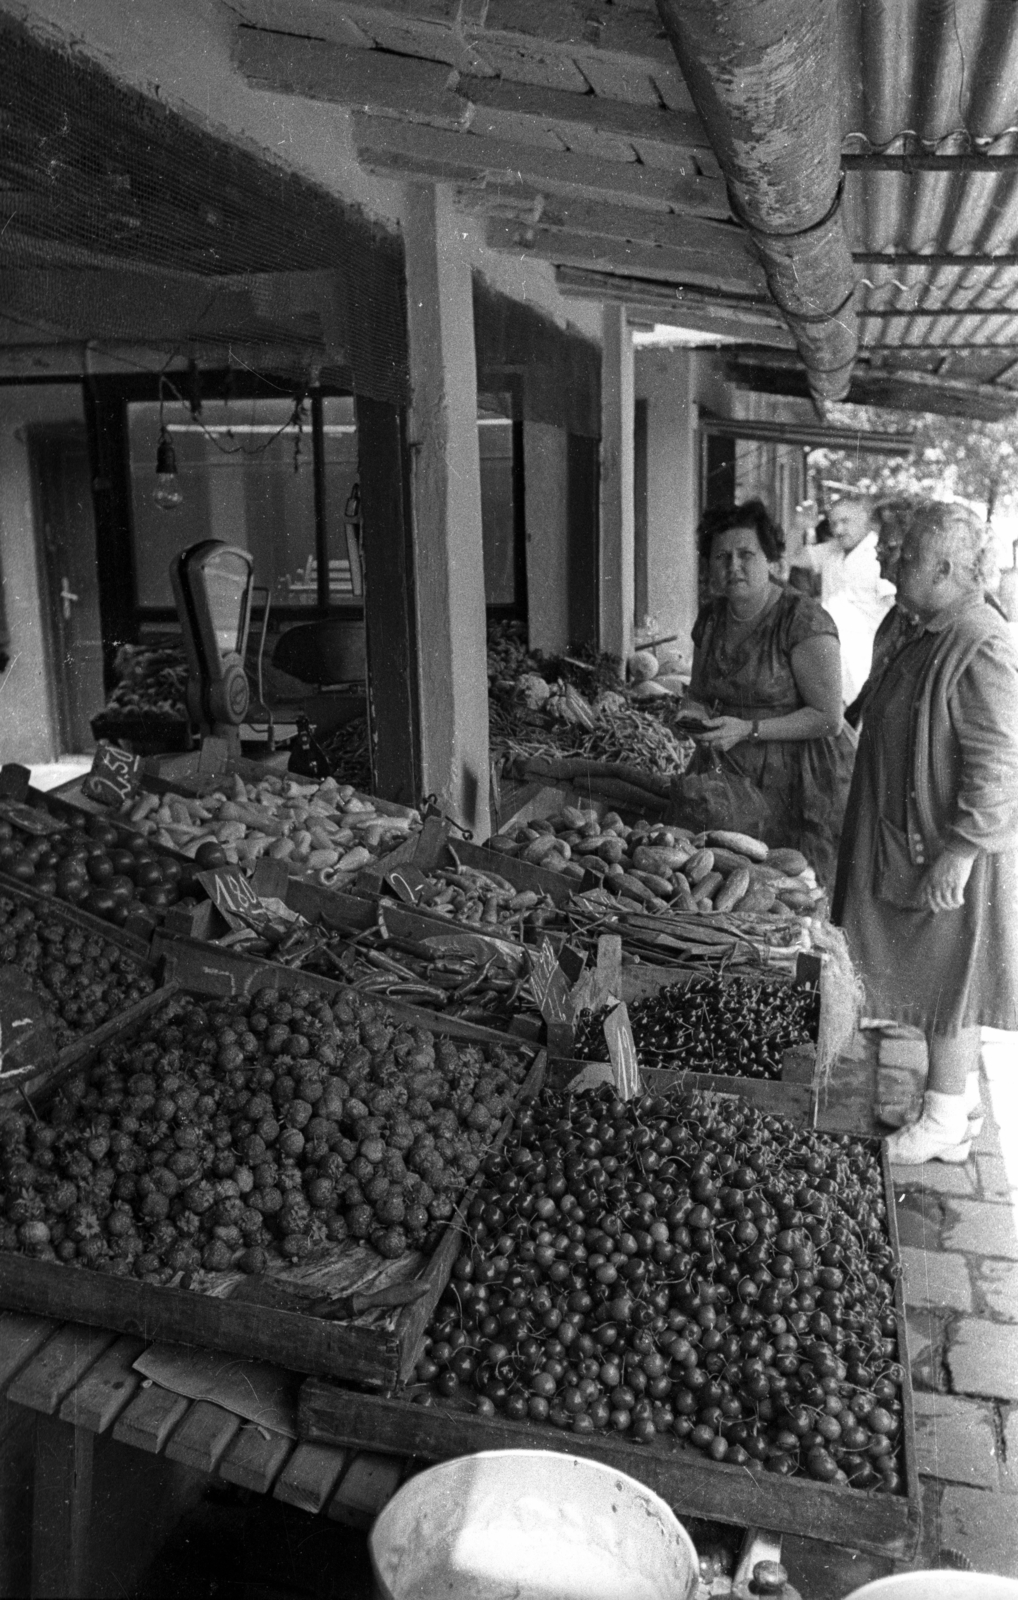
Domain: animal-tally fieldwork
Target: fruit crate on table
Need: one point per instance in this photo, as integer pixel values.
(691, 1483)
(200, 772)
(794, 1094)
(367, 1353)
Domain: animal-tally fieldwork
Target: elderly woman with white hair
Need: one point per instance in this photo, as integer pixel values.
(927, 888)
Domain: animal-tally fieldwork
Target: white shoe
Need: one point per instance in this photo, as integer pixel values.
(974, 1106)
(941, 1134)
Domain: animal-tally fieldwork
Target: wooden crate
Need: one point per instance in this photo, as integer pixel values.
(210, 969)
(540, 800)
(66, 1059)
(795, 1094)
(95, 927)
(694, 1485)
(365, 1353)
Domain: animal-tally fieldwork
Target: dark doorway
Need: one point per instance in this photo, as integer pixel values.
(583, 487)
(62, 485)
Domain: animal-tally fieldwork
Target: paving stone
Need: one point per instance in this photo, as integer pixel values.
(982, 1358)
(936, 1177)
(993, 1177)
(936, 1278)
(917, 1227)
(988, 1142)
(982, 1526)
(923, 1339)
(997, 1282)
(910, 1053)
(982, 1227)
(956, 1439)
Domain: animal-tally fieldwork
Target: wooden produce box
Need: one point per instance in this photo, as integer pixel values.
(200, 772)
(362, 1351)
(691, 1483)
(795, 1094)
(213, 969)
(539, 800)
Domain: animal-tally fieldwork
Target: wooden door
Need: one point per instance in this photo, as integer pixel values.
(62, 480)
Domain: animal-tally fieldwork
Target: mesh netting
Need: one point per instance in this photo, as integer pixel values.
(125, 221)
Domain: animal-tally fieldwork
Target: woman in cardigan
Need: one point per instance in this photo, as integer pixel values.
(927, 886)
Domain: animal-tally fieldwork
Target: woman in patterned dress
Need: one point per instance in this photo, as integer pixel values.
(767, 665)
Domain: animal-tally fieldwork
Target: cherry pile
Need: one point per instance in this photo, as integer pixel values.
(737, 1027)
(82, 978)
(223, 1134)
(671, 1271)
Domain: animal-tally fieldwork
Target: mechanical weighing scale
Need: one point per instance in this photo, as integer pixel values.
(212, 586)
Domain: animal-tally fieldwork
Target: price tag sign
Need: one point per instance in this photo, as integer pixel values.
(114, 777)
(24, 1032)
(14, 781)
(618, 1034)
(231, 894)
(406, 882)
(551, 988)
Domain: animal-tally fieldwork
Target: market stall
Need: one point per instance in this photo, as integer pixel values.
(399, 1243)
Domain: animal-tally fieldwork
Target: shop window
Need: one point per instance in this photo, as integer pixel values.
(258, 473)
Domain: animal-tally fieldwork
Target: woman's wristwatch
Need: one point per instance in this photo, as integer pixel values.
(755, 731)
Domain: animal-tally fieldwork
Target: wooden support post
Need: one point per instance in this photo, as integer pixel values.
(664, 380)
(61, 1509)
(390, 612)
(615, 576)
(446, 494)
(546, 453)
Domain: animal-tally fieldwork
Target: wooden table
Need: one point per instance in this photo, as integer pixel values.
(80, 1382)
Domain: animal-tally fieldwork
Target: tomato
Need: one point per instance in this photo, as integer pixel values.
(156, 895)
(100, 869)
(210, 855)
(23, 868)
(172, 870)
(121, 887)
(100, 902)
(124, 861)
(10, 850)
(45, 883)
(148, 873)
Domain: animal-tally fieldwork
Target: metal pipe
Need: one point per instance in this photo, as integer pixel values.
(935, 258)
(929, 161)
(763, 75)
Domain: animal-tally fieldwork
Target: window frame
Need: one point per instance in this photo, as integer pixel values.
(111, 397)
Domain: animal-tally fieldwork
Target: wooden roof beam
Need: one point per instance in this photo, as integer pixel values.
(734, 272)
(577, 46)
(728, 316)
(386, 145)
(433, 92)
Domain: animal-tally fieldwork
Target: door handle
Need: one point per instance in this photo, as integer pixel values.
(67, 598)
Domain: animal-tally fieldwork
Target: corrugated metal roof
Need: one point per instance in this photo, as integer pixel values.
(934, 77)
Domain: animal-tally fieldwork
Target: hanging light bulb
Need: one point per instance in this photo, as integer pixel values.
(166, 493)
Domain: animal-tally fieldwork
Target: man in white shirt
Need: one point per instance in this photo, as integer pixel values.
(851, 588)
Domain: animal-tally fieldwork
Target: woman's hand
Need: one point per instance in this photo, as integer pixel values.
(725, 732)
(943, 887)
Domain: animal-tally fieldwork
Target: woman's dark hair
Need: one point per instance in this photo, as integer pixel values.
(751, 514)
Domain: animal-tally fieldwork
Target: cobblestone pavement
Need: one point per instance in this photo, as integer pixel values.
(958, 1229)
